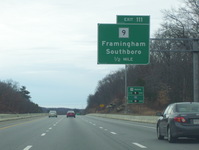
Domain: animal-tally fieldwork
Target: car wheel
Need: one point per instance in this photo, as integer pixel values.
(160, 137)
(171, 139)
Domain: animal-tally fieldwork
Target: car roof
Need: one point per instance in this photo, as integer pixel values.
(52, 110)
(70, 111)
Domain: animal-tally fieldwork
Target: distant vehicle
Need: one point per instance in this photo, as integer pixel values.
(179, 120)
(70, 113)
(52, 113)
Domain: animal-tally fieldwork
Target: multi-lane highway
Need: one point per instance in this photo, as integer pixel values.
(85, 133)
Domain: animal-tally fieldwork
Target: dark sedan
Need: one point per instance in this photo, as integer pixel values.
(179, 120)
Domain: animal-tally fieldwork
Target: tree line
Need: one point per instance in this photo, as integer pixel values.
(169, 75)
(16, 99)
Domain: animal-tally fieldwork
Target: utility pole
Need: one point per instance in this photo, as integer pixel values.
(196, 70)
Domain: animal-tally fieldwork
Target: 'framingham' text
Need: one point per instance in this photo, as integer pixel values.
(124, 44)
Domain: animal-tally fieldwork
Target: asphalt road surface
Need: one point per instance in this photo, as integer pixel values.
(84, 133)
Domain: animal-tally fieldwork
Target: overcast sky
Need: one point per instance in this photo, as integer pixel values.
(50, 46)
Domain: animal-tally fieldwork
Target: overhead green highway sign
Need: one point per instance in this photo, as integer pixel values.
(123, 43)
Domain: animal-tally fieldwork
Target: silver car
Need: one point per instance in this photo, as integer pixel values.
(52, 113)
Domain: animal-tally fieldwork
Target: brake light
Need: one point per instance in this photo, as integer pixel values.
(180, 119)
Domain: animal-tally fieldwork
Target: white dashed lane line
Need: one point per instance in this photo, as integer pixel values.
(28, 147)
(113, 133)
(139, 145)
(43, 134)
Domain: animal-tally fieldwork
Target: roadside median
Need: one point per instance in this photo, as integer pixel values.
(146, 119)
(6, 117)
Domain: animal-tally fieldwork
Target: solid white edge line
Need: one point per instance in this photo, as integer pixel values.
(27, 147)
(139, 145)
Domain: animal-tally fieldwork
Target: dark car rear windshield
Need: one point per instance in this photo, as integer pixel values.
(190, 107)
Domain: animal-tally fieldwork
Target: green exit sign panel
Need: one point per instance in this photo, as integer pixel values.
(135, 95)
(123, 44)
(133, 19)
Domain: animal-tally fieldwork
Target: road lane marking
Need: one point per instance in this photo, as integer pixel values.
(113, 133)
(50, 128)
(28, 147)
(140, 125)
(43, 134)
(101, 127)
(139, 145)
(1, 128)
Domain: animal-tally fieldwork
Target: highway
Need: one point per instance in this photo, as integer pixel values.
(85, 133)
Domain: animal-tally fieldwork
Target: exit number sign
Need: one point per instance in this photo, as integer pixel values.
(133, 19)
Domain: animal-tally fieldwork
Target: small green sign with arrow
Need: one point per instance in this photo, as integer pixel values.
(135, 94)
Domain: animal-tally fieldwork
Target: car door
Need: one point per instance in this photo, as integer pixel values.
(164, 120)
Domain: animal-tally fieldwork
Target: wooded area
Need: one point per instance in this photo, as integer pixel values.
(15, 99)
(169, 75)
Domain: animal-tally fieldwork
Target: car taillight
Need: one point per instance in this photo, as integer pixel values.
(180, 119)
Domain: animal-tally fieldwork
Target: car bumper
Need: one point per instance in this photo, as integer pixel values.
(185, 130)
(70, 116)
(52, 115)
